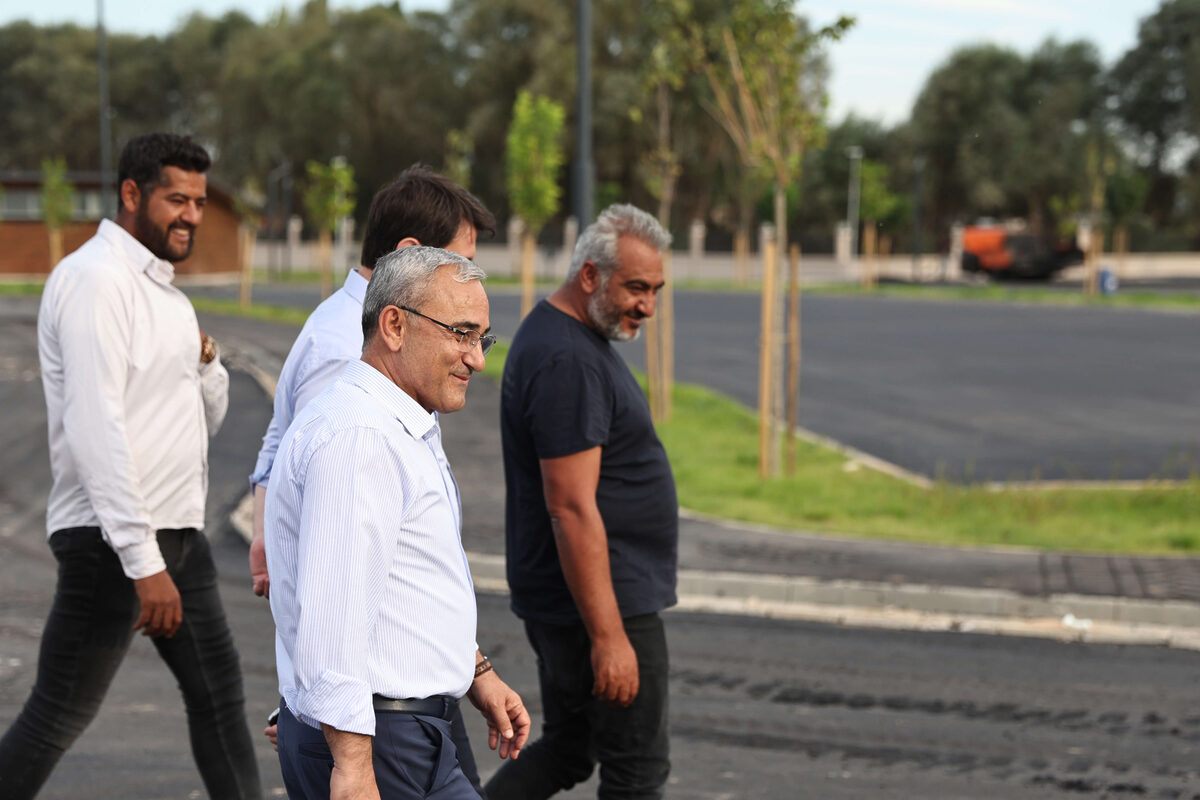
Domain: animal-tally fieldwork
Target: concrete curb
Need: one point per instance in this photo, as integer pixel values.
(913, 607)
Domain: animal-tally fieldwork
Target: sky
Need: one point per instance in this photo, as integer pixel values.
(877, 69)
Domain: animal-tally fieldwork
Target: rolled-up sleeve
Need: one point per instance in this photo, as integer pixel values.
(344, 555)
(214, 387)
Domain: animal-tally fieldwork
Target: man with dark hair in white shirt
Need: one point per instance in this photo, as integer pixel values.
(133, 390)
(370, 587)
(419, 207)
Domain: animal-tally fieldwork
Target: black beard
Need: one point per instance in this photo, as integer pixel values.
(157, 240)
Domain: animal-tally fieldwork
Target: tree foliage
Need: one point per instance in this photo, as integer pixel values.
(58, 195)
(1001, 132)
(329, 195)
(534, 157)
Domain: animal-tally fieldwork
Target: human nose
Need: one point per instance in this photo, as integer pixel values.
(473, 356)
(647, 304)
(192, 214)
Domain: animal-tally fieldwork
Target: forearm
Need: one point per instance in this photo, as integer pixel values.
(353, 774)
(583, 553)
(214, 388)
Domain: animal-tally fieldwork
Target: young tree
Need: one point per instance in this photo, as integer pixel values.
(58, 197)
(460, 152)
(328, 198)
(771, 109)
(878, 205)
(533, 159)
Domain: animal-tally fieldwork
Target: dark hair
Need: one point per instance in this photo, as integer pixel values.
(424, 205)
(144, 157)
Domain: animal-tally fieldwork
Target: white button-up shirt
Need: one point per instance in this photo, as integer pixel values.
(128, 404)
(370, 586)
(331, 338)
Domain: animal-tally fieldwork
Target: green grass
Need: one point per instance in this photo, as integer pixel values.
(292, 316)
(22, 289)
(1036, 295)
(712, 442)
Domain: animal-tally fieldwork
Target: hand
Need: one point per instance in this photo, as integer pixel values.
(347, 784)
(272, 733)
(261, 581)
(507, 720)
(614, 664)
(162, 610)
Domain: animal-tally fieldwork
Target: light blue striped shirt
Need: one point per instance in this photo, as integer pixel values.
(331, 337)
(370, 586)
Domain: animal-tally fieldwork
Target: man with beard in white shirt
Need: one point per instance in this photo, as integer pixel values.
(133, 391)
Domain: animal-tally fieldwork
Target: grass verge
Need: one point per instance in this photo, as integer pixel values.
(712, 442)
(1034, 295)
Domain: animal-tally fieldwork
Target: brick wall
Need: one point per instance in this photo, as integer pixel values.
(25, 247)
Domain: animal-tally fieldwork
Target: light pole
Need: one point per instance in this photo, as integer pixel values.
(106, 188)
(855, 154)
(918, 197)
(584, 172)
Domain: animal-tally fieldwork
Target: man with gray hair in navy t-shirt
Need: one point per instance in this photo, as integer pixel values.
(592, 522)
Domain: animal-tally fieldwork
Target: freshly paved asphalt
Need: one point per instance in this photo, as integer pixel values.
(796, 573)
(755, 570)
(963, 391)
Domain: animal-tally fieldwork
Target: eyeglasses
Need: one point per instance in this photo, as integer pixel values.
(466, 339)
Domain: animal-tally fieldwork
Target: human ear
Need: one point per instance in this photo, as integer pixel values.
(131, 195)
(589, 277)
(392, 328)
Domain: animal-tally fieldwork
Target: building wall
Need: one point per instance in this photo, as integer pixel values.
(25, 247)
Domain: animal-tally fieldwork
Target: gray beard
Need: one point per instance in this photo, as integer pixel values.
(605, 319)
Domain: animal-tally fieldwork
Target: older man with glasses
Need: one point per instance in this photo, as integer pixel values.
(371, 591)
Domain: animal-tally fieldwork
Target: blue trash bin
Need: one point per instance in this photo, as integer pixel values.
(1108, 281)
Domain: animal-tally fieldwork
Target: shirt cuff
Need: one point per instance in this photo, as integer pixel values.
(340, 701)
(141, 560)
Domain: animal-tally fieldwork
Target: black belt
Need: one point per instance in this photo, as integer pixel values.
(442, 705)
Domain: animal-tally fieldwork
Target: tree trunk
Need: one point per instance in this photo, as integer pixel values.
(793, 383)
(741, 256)
(767, 462)
(868, 253)
(55, 236)
(660, 329)
(246, 239)
(528, 244)
(325, 262)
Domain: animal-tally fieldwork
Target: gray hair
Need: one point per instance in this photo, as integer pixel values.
(598, 243)
(402, 278)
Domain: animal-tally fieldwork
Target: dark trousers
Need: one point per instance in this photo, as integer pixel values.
(85, 639)
(630, 744)
(414, 759)
(305, 738)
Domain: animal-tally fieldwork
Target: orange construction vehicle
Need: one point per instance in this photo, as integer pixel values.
(1009, 252)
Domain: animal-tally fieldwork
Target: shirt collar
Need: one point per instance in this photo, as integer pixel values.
(135, 254)
(416, 420)
(355, 285)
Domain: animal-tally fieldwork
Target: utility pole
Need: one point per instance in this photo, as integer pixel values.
(855, 153)
(583, 170)
(107, 190)
(918, 199)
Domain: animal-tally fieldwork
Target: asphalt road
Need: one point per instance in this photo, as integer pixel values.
(761, 709)
(963, 391)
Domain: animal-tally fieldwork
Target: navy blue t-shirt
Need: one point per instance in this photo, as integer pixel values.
(566, 390)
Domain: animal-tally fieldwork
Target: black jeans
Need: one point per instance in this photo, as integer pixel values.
(85, 639)
(578, 730)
